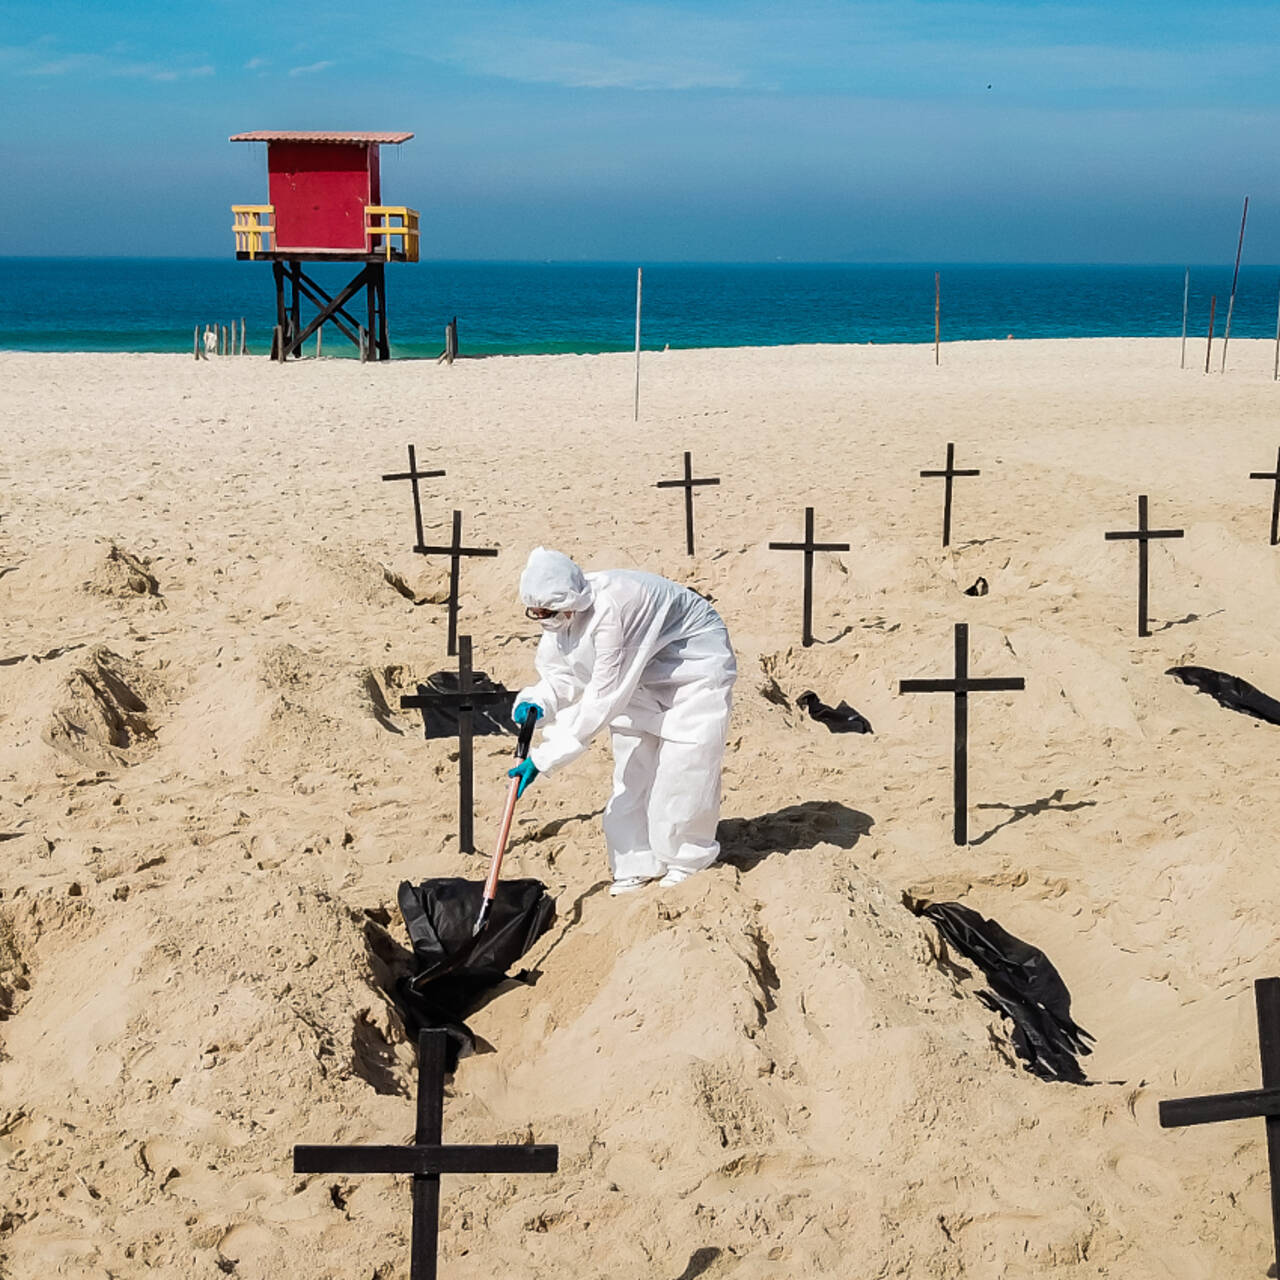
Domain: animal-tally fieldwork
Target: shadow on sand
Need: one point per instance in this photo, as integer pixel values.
(746, 841)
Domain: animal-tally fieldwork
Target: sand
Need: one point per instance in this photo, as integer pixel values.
(209, 609)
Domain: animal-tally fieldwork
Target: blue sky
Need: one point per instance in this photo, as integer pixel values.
(801, 130)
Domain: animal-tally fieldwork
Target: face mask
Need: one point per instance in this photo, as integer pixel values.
(559, 622)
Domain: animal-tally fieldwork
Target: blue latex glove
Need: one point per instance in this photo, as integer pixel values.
(522, 710)
(526, 771)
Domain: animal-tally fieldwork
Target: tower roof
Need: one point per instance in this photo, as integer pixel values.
(317, 135)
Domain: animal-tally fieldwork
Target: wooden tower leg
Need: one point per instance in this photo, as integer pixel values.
(379, 280)
(277, 270)
(295, 310)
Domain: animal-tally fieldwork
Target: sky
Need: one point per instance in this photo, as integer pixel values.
(929, 131)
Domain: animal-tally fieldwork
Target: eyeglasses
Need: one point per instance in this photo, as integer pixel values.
(539, 615)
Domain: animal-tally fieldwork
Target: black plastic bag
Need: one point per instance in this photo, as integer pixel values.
(841, 719)
(441, 720)
(452, 970)
(1025, 987)
(1230, 691)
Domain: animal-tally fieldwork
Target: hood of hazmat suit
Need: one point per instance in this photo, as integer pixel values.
(639, 653)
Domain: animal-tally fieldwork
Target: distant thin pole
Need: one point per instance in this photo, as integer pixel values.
(1186, 294)
(639, 281)
(1213, 307)
(1275, 373)
(937, 314)
(1231, 306)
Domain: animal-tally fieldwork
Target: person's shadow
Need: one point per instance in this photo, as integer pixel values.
(744, 842)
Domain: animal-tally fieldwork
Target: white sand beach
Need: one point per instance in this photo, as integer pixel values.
(208, 612)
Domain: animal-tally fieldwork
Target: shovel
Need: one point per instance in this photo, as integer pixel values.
(495, 867)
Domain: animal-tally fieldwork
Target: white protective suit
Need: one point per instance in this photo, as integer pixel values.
(650, 659)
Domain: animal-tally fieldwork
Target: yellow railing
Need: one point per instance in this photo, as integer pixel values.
(386, 231)
(251, 229)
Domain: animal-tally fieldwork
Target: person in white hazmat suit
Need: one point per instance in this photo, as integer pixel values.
(650, 659)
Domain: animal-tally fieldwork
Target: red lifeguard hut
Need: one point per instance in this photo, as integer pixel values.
(325, 192)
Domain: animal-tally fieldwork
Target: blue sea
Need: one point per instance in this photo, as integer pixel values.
(520, 307)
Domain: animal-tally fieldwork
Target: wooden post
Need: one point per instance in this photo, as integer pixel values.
(1186, 294)
(1213, 306)
(639, 279)
(960, 686)
(937, 314)
(1275, 373)
(808, 546)
(1250, 1104)
(364, 344)
(1143, 535)
(428, 1157)
(319, 341)
(1231, 305)
(277, 343)
(197, 342)
(244, 344)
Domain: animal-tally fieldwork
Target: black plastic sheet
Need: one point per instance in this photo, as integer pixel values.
(487, 718)
(452, 970)
(1229, 691)
(1025, 987)
(841, 719)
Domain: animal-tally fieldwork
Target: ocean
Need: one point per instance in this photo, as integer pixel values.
(521, 307)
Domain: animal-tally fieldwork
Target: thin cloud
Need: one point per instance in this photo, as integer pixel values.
(311, 68)
(581, 65)
(36, 60)
(257, 64)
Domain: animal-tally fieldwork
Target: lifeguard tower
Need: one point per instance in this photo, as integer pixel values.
(325, 193)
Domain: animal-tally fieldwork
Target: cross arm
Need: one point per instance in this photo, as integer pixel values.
(416, 702)
(681, 484)
(461, 551)
(512, 1158)
(412, 475)
(1143, 533)
(1249, 1105)
(952, 473)
(993, 685)
(926, 686)
(804, 546)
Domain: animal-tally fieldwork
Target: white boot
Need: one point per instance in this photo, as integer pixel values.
(628, 884)
(675, 875)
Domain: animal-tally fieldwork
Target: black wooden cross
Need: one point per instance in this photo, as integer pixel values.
(1275, 497)
(962, 686)
(413, 475)
(1143, 535)
(467, 700)
(949, 473)
(455, 551)
(808, 546)
(687, 485)
(428, 1157)
(1251, 1105)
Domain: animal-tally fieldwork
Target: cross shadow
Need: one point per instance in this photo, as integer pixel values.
(1191, 617)
(1019, 811)
(381, 711)
(839, 635)
(744, 842)
(552, 828)
(699, 1261)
